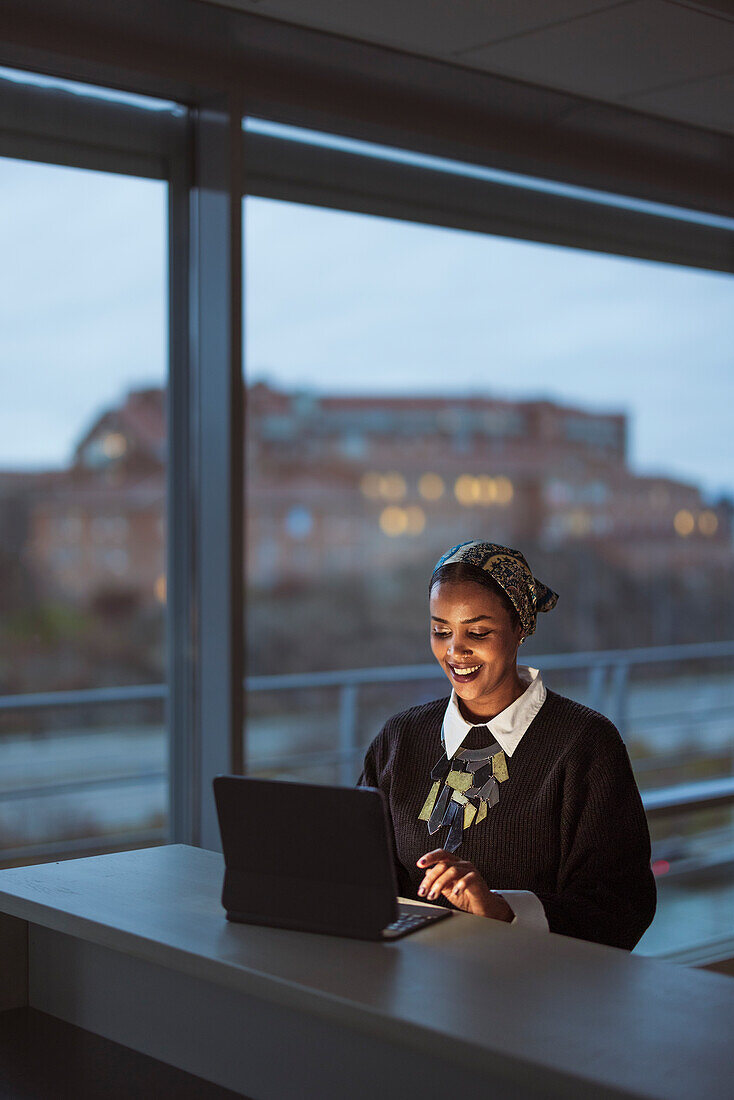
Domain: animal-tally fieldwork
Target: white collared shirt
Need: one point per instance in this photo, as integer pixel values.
(507, 728)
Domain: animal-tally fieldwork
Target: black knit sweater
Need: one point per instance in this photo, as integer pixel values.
(569, 825)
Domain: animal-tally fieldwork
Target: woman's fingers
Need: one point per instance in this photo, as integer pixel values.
(437, 861)
(444, 876)
(426, 887)
(458, 886)
(447, 875)
(433, 857)
(467, 882)
(460, 882)
(444, 883)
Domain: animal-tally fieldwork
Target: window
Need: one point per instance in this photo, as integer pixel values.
(83, 342)
(438, 351)
(410, 386)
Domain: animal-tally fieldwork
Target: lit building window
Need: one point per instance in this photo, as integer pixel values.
(684, 522)
(431, 486)
(466, 490)
(504, 490)
(159, 588)
(487, 491)
(393, 487)
(390, 486)
(114, 445)
(393, 521)
(708, 523)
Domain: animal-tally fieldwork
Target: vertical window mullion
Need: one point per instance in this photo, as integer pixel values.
(206, 541)
(181, 517)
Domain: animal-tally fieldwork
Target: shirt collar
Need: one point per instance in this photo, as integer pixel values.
(508, 726)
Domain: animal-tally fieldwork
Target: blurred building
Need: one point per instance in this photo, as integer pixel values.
(343, 484)
(97, 530)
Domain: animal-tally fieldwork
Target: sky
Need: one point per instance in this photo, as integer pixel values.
(350, 303)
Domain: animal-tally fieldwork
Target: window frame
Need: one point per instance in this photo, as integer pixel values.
(193, 151)
(298, 171)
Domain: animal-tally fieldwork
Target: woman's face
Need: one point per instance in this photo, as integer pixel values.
(475, 642)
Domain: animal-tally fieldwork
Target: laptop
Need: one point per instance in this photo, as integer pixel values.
(312, 858)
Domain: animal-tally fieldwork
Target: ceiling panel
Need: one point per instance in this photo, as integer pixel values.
(618, 52)
(708, 102)
(671, 58)
(435, 27)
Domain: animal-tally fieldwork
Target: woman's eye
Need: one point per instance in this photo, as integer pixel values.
(440, 633)
(484, 634)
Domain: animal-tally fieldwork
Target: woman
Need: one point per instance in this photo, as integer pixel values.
(508, 800)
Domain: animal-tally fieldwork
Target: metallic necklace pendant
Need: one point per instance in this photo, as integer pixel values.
(479, 778)
(477, 755)
(441, 768)
(425, 814)
(499, 767)
(490, 792)
(470, 812)
(436, 818)
(456, 828)
(464, 788)
(460, 781)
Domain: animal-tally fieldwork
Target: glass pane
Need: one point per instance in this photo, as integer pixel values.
(410, 387)
(83, 347)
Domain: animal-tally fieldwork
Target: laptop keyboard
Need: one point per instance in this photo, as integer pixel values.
(407, 922)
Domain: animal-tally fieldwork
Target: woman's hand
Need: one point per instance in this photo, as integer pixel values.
(460, 882)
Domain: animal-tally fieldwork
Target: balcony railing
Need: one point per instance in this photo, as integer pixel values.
(607, 688)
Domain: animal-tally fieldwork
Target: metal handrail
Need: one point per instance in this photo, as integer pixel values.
(704, 795)
(605, 658)
(86, 697)
(74, 786)
(86, 844)
(601, 658)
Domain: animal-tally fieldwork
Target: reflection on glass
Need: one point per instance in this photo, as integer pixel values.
(410, 387)
(82, 506)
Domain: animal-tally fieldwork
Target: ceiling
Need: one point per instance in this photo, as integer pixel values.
(670, 58)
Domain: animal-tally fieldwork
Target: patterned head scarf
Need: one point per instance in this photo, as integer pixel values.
(511, 572)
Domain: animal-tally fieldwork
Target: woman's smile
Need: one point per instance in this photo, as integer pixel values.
(462, 674)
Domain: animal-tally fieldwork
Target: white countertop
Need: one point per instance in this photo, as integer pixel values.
(483, 989)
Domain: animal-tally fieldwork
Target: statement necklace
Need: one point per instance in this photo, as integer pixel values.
(471, 780)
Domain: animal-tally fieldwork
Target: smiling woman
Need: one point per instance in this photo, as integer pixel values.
(536, 790)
